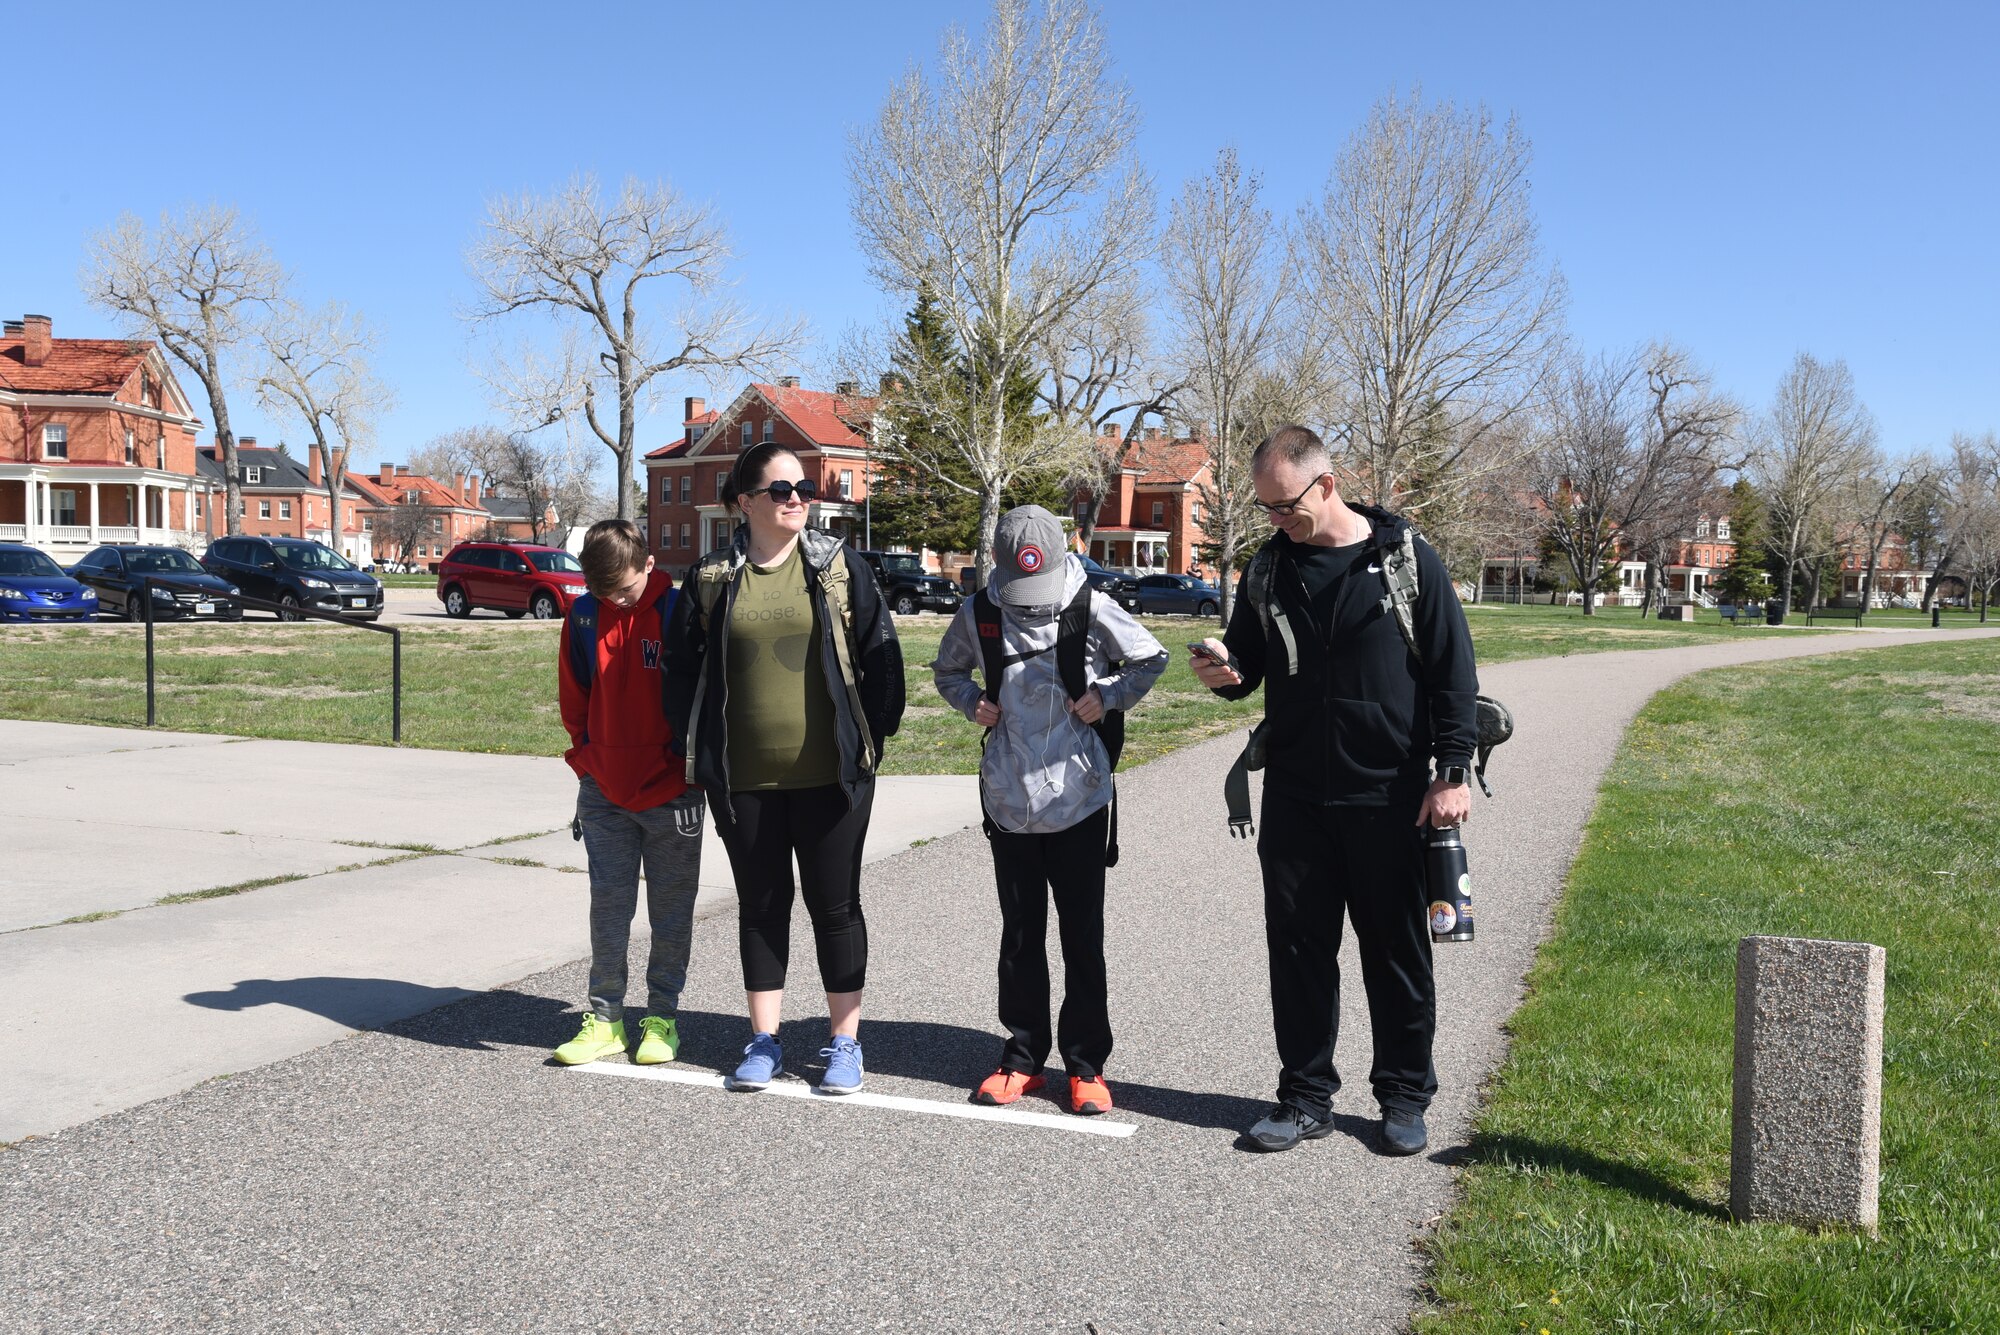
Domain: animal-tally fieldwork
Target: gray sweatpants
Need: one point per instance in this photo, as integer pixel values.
(668, 840)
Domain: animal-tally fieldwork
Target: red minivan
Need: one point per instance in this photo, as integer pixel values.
(511, 577)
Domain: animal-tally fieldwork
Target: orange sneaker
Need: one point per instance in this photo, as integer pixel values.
(1004, 1087)
(1087, 1097)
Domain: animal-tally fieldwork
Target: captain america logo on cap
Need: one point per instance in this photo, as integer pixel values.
(1029, 558)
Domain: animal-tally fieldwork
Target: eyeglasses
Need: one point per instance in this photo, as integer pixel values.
(1285, 509)
(805, 489)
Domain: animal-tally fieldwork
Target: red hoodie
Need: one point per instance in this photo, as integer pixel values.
(617, 725)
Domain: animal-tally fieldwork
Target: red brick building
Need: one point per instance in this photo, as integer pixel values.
(1152, 518)
(685, 517)
(283, 498)
(97, 444)
(439, 514)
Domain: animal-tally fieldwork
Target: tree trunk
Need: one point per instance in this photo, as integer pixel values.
(1784, 593)
(225, 439)
(1813, 579)
(1086, 528)
(1938, 574)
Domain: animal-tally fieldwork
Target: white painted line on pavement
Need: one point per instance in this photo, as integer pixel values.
(798, 1089)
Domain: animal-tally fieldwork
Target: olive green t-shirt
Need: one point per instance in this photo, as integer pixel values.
(779, 714)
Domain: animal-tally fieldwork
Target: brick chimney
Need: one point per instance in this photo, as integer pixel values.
(847, 389)
(35, 339)
(463, 485)
(386, 474)
(694, 408)
(784, 381)
(313, 473)
(473, 493)
(246, 442)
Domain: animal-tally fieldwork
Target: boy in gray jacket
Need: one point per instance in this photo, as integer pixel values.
(1045, 783)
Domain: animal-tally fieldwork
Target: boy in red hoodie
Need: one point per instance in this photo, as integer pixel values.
(633, 802)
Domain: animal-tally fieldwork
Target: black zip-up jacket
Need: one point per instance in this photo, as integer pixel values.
(1362, 721)
(868, 707)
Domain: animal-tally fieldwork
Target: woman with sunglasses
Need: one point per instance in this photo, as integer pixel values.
(785, 676)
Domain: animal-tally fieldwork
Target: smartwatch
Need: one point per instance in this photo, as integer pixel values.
(1454, 774)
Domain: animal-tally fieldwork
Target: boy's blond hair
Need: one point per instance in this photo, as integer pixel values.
(612, 550)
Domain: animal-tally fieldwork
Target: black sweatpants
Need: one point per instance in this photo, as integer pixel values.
(1029, 869)
(763, 833)
(1368, 862)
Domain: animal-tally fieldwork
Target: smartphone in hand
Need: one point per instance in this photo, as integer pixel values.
(1202, 649)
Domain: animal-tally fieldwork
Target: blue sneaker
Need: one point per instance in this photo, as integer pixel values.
(843, 1066)
(762, 1061)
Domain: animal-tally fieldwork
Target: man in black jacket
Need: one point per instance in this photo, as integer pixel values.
(1355, 721)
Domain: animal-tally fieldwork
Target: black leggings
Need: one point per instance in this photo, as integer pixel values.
(766, 828)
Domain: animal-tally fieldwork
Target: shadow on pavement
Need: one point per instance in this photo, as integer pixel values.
(950, 1056)
(1540, 1156)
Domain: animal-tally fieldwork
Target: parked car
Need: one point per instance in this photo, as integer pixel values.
(117, 570)
(1121, 587)
(34, 588)
(511, 577)
(907, 587)
(1178, 594)
(296, 572)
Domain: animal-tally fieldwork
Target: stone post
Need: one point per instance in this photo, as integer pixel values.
(1806, 1125)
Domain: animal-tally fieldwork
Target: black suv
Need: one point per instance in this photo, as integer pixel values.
(1122, 588)
(907, 587)
(296, 572)
(118, 572)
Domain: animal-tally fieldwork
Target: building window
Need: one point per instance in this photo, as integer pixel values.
(437, 525)
(1159, 513)
(64, 501)
(198, 515)
(253, 476)
(687, 534)
(368, 523)
(284, 509)
(747, 429)
(263, 509)
(131, 447)
(1701, 527)
(147, 393)
(412, 497)
(1195, 513)
(160, 454)
(1722, 530)
(770, 429)
(719, 478)
(687, 490)
(847, 484)
(55, 441)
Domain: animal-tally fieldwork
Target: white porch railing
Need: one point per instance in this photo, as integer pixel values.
(13, 532)
(117, 533)
(78, 533)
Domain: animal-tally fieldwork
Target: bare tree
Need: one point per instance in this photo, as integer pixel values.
(588, 260)
(199, 284)
(1816, 436)
(1630, 447)
(407, 525)
(1971, 514)
(1880, 490)
(1104, 376)
(514, 464)
(1423, 271)
(1004, 185)
(319, 366)
(1226, 299)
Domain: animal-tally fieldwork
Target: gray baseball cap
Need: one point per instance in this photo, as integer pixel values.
(1028, 552)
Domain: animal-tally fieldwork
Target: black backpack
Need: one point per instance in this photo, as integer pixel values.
(1072, 651)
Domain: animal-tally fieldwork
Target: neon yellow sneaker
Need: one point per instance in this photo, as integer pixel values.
(659, 1041)
(597, 1038)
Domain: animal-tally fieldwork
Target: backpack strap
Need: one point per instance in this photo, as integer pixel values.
(583, 640)
(1399, 581)
(1261, 586)
(1072, 655)
(992, 651)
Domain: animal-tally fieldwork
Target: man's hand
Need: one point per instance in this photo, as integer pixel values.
(1445, 805)
(1214, 672)
(1089, 707)
(986, 714)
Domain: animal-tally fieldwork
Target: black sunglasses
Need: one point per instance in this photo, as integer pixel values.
(1287, 508)
(805, 489)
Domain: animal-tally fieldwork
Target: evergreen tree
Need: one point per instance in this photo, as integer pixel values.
(1746, 579)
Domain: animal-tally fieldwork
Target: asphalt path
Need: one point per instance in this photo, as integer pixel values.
(443, 1175)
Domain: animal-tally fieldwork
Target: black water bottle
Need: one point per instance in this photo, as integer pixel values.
(1449, 882)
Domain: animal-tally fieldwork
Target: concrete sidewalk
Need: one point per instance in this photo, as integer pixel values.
(411, 879)
(362, 1185)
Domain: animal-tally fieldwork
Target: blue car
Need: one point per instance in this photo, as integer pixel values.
(34, 588)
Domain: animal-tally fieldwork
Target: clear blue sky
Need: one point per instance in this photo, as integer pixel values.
(1750, 180)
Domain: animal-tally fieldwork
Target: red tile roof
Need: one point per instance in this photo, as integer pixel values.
(73, 366)
(823, 417)
(680, 447)
(429, 491)
(1169, 462)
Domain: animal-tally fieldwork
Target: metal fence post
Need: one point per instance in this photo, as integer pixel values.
(396, 685)
(146, 596)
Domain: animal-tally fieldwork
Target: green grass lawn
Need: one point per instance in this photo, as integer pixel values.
(1849, 798)
(491, 686)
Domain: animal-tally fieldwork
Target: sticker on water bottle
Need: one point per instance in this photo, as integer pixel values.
(1465, 884)
(1443, 918)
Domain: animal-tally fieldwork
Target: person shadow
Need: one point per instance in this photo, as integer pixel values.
(952, 1057)
(1542, 1156)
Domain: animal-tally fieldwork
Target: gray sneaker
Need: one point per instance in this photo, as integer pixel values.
(1285, 1126)
(1402, 1132)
